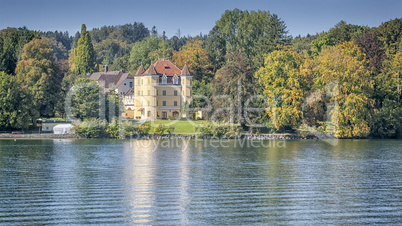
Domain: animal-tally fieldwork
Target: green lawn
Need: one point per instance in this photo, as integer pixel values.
(180, 127)
(55, 119)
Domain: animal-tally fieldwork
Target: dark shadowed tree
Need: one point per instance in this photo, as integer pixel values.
(236, 80)
(390, 34)
(372, 47)
(15, 102)
(12, 41)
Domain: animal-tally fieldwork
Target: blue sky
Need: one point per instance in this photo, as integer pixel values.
(191, 17)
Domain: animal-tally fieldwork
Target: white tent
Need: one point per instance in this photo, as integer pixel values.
(62, 128)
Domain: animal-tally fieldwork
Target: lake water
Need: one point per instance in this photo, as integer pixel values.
(195, 182)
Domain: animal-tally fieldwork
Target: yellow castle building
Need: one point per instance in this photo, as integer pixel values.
(159, 92)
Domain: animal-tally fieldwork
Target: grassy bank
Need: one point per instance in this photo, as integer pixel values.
(182, 127)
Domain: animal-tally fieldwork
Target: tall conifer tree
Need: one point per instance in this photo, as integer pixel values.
(84, 60)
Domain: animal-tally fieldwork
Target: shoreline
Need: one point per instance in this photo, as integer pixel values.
(39, 136)
(174, 136)
(177, 136)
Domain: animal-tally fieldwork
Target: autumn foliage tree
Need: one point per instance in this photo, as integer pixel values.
(196, 58)
(284, 86)
(345, 66)
(39, 71)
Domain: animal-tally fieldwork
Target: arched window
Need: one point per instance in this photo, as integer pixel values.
(164, 79)
(175, 80)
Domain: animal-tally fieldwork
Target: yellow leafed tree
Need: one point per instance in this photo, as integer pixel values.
(345, 65)
(284, 86)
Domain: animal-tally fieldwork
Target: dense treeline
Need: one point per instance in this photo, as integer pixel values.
(343, 82)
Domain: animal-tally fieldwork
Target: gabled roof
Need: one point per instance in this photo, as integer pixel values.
(185, 71)
(124, 77)
(110, 78)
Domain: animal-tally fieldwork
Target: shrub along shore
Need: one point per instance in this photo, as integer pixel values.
(153, 136)
(162, 129)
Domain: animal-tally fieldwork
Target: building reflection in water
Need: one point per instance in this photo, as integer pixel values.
(158, 181)
(140, 171)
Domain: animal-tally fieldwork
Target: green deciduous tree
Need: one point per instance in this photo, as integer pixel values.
(201, 88)
(387, 122)
(302, 44)
(41, 74)
(129, 33)
(390, 34)
(342, 32)
(148, 51)
(121, 63)
(91, 128)
(255, 33)
(85, 99)
(109, 50)
(15, 103)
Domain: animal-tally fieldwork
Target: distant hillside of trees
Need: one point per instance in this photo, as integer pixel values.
(253, 47)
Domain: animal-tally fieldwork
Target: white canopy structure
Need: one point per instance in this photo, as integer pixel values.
(62, 129)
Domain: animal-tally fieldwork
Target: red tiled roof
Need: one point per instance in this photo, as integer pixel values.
(162, 67)
(151, 71)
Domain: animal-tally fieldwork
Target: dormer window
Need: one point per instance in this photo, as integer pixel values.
(175, 80)
(164, 79)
